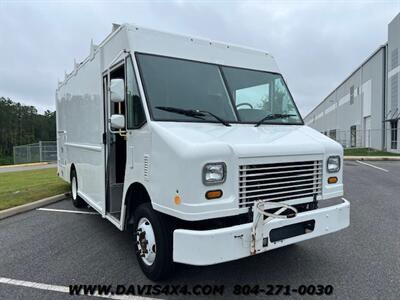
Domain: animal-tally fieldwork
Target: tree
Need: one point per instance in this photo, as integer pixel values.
(21, 124)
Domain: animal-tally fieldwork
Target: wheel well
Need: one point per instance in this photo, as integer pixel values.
(136, 195)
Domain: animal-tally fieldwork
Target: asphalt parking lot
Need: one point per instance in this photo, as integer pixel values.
(363, 261)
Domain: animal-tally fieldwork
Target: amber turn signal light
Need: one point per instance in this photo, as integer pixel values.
(215, 194)
(332, 180)
(177, 199)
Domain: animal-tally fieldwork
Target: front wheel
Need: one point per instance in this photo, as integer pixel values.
(153, 242)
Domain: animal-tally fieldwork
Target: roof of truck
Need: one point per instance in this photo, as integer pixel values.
(193, 37)
(147, 40)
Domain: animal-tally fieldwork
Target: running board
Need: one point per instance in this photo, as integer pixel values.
(113, 220)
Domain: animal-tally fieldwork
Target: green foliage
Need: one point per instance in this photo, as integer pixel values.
(279, 99)
(367, 152)
(6, 160)
(21, 124)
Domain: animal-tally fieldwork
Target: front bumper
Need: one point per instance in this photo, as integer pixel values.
(208, 247)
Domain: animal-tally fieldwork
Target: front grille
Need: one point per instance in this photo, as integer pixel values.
(279, 181)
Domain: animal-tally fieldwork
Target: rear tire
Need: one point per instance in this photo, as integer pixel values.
(153, 232)
(76, 200)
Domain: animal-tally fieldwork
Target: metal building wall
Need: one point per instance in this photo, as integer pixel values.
(393, 84)
(376, 100)
(364, 110)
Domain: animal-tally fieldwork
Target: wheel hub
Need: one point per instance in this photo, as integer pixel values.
(74, 189)
(146, 242)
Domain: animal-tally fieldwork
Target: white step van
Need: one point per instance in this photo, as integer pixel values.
(195, 146)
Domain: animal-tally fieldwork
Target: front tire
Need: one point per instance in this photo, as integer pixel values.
(77, 201)
(153, 242)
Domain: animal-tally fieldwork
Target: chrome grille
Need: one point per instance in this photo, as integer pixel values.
(279, 181)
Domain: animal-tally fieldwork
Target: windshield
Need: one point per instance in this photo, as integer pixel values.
(244, 96)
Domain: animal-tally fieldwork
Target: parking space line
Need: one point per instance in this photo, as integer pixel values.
(372, 166)
(57, 288)
(68, 211)
(35, 285)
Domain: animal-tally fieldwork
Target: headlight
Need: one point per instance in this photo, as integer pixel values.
(214, 173)
(333, 164)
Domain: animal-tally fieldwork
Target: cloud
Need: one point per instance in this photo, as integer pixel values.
(316, 44)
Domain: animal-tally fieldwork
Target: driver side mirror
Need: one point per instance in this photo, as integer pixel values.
(117, 90)
(117, 121)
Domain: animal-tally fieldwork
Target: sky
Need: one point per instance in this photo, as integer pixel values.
(317, 44)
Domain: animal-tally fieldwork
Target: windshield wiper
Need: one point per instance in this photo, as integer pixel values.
(195, 113)
(272, 117)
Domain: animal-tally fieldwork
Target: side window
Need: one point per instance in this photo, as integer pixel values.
(395, 58)
(393, 134)
(353, 136)
(352, 94)
(332, 134)
(135, 112)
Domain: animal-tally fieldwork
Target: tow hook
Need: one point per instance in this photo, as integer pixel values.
(258, 241)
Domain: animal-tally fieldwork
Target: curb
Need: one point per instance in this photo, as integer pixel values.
(30, 206)
(373, 158)
(25, 165)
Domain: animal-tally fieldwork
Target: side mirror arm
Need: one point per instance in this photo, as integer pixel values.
(120, 131)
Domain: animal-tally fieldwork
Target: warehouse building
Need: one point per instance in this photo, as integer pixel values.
(364, 110)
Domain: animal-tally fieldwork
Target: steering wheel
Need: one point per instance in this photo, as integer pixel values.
(245, 103)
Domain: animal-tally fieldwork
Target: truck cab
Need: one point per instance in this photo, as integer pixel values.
(201, 151)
